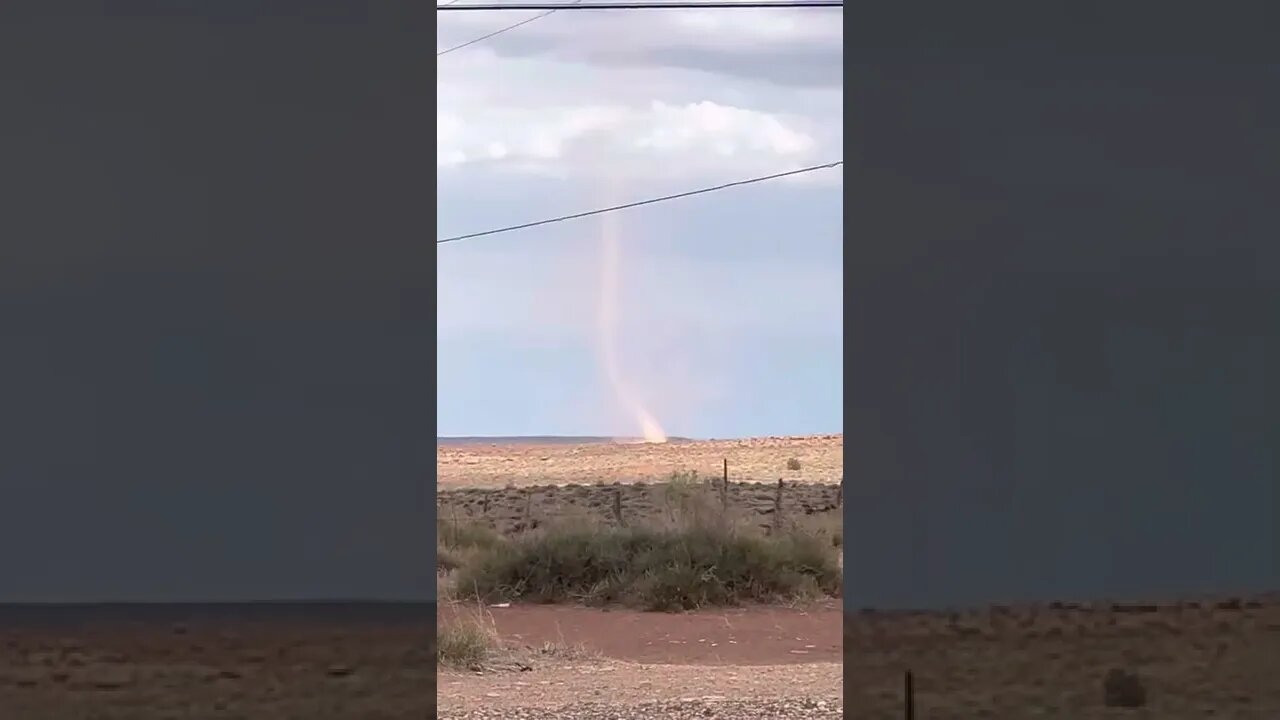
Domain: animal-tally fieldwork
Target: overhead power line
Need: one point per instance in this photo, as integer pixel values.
(687, 5)
(496, 33)
(650, 201)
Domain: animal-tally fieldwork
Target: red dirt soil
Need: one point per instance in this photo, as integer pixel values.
(736, 636)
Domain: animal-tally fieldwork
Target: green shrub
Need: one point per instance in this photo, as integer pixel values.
(675, 568)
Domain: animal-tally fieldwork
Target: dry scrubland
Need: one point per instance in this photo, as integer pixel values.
(820, 458)
(510, 511)
(1191, 659)
(553, 558)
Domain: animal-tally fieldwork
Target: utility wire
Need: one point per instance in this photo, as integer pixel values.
(645, 5)
(650, 201)
(495, 33)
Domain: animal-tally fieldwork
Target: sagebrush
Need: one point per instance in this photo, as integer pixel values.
(698, 555)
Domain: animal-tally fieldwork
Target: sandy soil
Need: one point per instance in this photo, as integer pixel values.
(702, 658)
(821, 459)
(735, 636)
(1196, 661)
(226, 669)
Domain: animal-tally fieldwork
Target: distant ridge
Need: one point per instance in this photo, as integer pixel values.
(541, 440)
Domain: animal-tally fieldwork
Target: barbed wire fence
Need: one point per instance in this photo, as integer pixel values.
(523, 507)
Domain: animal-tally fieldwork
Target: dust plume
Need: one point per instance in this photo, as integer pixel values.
(607, 322)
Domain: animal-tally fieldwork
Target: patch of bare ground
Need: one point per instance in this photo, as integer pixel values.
(818, 458)
(223, 670)
(743, 662)
(613, 689)
(758, 635)
(1201, 659)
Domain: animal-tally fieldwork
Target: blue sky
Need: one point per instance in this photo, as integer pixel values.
(728, 305)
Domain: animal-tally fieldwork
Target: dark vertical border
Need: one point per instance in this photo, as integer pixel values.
(175, 230)
(428, 43)
(895, 260)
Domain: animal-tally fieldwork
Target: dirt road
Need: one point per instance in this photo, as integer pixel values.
(742, 662)
(734, 636)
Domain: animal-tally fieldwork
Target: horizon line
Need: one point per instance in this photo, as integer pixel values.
(634, 437)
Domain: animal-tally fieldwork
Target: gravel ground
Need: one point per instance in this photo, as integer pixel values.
(612, 690)
(789, 709)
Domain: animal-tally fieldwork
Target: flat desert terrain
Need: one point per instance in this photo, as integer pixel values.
(480, 465)
(1194, 659)
(243, 662)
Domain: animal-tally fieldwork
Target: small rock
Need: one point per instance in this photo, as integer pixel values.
(1123, 689)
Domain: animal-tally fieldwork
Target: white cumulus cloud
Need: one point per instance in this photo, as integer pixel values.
(712, 94)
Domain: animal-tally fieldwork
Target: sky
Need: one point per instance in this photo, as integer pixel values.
(726, 315)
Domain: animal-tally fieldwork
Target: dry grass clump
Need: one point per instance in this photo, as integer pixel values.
(458, 541)
(467, 638)
(468, 641)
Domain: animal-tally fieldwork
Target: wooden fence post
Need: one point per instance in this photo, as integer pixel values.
(617, 506)
(909, 696)
(777, 508)
(840, 493)
(724, 485)
(455, 531)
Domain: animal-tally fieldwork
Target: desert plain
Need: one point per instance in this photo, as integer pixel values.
(217, 662)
